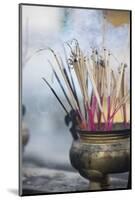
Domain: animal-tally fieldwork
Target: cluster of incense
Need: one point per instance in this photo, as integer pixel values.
(103, 90)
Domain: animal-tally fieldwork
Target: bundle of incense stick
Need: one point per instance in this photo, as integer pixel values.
(104, 91)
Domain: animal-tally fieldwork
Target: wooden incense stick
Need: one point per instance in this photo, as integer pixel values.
(56, 96)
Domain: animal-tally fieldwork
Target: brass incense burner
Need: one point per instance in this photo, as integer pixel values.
(100, 146)
(95, 155)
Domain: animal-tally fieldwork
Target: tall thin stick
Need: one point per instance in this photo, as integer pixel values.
(56, 96)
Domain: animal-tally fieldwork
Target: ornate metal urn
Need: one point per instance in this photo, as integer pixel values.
(95, 155)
